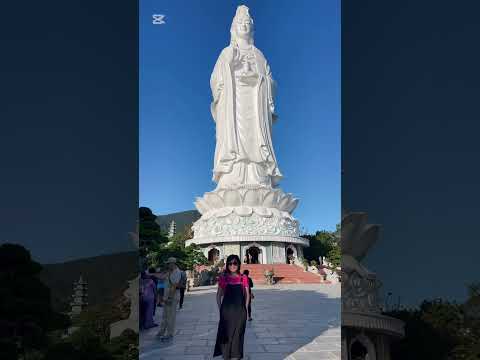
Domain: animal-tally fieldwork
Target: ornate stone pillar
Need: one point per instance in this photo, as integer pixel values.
(300, 251)
(232, 249)
(383, 347)
(278, 253)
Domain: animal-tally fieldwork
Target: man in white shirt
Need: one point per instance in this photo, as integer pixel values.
(171, 297)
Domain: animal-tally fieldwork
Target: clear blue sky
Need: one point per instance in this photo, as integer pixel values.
(177, 134)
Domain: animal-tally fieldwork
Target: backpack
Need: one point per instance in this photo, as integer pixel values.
(183, 281)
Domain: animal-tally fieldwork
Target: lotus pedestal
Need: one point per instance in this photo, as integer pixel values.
(256, 217)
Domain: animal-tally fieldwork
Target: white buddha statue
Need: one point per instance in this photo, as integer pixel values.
(243, 110)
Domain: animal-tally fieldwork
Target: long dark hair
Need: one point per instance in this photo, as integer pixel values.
(229, 259)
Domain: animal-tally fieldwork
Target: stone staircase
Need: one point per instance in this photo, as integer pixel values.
(284, 274)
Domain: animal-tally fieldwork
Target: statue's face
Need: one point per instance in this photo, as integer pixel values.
(244, 28)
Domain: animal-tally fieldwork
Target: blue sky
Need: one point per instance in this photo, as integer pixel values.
(177, 134)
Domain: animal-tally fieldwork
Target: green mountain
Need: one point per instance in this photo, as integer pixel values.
(182, 219)
(106, 275)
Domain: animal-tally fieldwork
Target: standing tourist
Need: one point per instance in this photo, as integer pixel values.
(170, 299)
(182, 286)
(147, 301)
(160, 288)
(159, 277)
(233, 298)
(250, 286)
(153, 272)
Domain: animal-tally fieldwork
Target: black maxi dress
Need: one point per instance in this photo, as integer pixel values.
(233, 318)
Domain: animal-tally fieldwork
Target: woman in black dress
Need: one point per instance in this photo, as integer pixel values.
(233, 298)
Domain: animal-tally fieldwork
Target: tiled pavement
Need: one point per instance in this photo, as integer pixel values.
(294, 322)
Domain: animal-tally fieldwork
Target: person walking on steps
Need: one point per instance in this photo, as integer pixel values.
(250, 286)
(171, 298)
(233, 298)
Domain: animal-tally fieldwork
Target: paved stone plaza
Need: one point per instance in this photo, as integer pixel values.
(294, 322)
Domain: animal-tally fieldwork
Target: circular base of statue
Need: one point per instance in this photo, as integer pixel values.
(246, 221)
(374, 322)
(248, 239)
(250, 196)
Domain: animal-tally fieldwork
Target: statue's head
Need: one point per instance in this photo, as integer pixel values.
(242, 26)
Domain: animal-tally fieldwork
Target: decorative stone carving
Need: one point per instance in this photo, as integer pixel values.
(249, 238)
(232, 249)
(254, 224)
(278, 253)
(362, 319)
(360, 293)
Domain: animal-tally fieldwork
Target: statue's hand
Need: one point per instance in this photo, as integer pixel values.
(272, 107)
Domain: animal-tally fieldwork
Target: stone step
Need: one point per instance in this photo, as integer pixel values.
(284, 273)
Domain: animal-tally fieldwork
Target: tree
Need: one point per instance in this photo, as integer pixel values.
(334, 255)
(149, 231)
(325, 244)
(26, 312)
(439, 329)
(97, 320)
(125, 346)
(159, 249)
(62, 351)
(187, 257)
(90, 345)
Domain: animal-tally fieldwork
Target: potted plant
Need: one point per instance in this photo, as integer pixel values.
(305, 264)
(220, 264)
(269, 274)
(314, 263)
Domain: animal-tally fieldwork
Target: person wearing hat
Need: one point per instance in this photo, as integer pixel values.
(171, 298)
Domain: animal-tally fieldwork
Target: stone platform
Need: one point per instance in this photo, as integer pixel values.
(238, 218)
(293, 322)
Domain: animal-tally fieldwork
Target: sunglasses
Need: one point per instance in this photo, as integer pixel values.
(232, 263)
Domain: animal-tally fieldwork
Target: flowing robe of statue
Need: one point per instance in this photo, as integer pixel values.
(243, 110)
